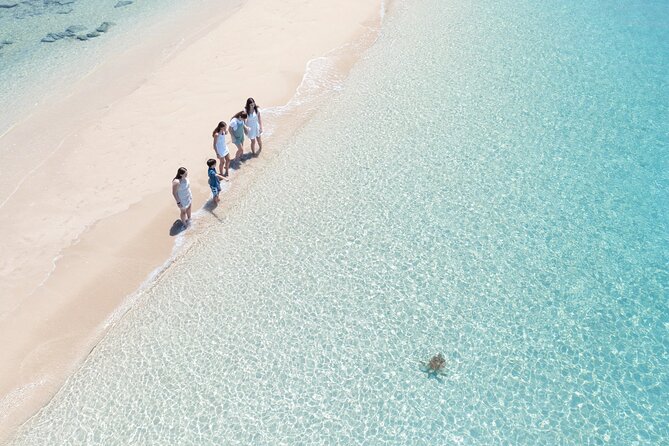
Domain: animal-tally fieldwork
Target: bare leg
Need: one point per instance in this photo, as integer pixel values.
(259, 144)
(183, 216)
(240, 151)
(188, 212)
(221, 165)
(227, 165)
(253, 147)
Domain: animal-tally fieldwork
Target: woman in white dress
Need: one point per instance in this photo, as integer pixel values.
(254, 122)
(221, 148)
(182, 194)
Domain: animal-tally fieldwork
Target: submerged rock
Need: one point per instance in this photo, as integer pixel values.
(72, 31)
(104, 27)
(92, 34)
(123, 3)
(52, 37)
(64, 11)
(75, 28)
(8, 5)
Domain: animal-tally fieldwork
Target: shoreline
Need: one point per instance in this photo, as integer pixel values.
(123, 246)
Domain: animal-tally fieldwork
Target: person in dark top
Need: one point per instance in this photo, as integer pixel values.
(214, 179)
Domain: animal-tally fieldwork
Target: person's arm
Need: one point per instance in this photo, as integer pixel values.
(259, 121)
(175, 185)
(221, 177)
(216, 136)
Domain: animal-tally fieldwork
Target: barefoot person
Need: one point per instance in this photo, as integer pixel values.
(181, 192)
(221, 148)
(214, 179)
(237, 130)
(254, 123)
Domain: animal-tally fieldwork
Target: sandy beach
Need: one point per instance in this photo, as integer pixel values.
(85, 196)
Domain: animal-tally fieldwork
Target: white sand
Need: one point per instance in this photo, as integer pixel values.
(88, 178)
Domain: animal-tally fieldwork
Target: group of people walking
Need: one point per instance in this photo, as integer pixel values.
(247, 122)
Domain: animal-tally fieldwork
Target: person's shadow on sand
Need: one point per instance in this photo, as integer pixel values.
(210, 206)
(177, 228)
(236, 165)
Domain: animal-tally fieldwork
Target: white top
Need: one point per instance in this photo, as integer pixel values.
(221, 145)
(235, 122)
(183, 192)
(252, 122)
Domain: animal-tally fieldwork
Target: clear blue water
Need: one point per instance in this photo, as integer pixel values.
(490, 183)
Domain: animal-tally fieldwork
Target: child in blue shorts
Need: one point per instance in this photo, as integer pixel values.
(214, 179)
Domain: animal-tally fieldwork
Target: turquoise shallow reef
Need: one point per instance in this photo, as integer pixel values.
(491, 182)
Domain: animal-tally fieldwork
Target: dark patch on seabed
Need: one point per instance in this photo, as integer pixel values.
(71, 32)
(32, 8)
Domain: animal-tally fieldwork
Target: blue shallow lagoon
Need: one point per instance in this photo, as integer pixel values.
(490, 183)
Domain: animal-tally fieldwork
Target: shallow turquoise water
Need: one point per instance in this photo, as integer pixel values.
(491, 183)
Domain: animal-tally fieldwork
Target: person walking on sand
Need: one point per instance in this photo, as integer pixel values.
(181, 192)
(237, 130)
(214, 179)
(254, 123)
(221, 148)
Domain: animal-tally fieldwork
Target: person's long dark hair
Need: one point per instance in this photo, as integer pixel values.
(242, 114)
(221, 125)
(247, 107)
(180, 173)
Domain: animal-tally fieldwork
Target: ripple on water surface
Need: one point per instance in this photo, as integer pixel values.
(500, 199)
